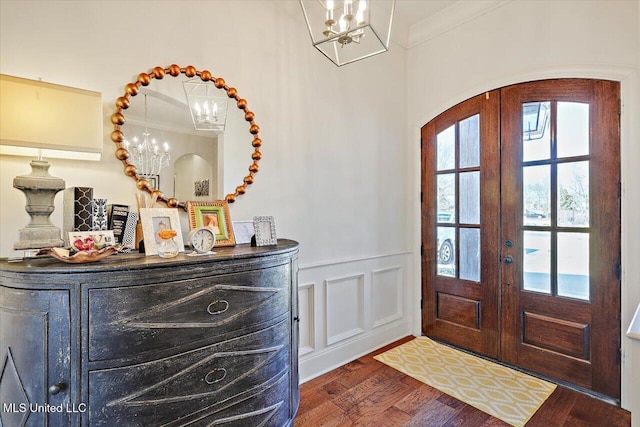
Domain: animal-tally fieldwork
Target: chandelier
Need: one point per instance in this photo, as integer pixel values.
(346, 31)
(208, 112)
(146, 154)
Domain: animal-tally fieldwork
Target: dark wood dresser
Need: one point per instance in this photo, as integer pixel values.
(145, 341)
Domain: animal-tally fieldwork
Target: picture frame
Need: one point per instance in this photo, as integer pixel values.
(201, 188)
(265, 229)
(153, 180)
(214, 215)
(101, 238)
(156, 219)
(243, 231)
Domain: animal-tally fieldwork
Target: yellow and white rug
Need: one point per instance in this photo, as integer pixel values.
(497, 390)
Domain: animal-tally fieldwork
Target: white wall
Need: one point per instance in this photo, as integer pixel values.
(529, 40)
(340, 170)
(333, 171)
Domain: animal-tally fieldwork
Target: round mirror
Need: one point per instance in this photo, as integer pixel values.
(172, 141)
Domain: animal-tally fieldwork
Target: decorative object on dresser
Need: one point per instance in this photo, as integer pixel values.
(77, 209)
(80, 257)
(130, 230)
(214, 215)
(265, 230)
(202, 240)
(34, 121)
(100, 218)
(207, 79)
(137, 341)
(118, 217)
(243, 231)
(87, 240)
(155, 221)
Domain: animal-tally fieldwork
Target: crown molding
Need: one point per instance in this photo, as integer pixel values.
(449, 18)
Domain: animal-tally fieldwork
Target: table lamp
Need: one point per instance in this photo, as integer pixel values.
(46, 120)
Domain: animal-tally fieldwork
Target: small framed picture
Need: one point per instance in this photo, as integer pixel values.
(87, 240)
(155, 220)
(153, 180)
(243, 231)
(214, 215)
(265, 228)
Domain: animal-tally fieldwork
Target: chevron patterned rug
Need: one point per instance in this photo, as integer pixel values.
(497, 390)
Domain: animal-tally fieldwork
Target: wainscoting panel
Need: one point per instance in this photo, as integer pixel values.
(306, 298)
(349, 308)
(344, 307)
(387, 295)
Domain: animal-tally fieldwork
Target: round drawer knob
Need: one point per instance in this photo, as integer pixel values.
(56, 388)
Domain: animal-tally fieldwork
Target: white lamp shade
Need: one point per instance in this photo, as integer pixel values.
(38, 118)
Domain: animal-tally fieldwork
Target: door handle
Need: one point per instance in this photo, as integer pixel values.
(508, 259)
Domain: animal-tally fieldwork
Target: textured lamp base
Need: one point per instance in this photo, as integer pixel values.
(38, 238)
(40, 188)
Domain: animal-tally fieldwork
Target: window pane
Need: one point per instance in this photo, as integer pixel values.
(573, 129)
(447, 197)
(573, 265)
(470, 254)
(537, 261)
(446, 250)
(536, 138)
(537, 195)
(470, 197)
(573, 194)
(446, 149)
(470, 142)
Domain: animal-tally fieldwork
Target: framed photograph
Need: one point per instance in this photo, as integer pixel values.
(86, 240)
(201, 188)
(265, 228)
(214, 215)
(154, 220)
(244, 231)
(154, 180)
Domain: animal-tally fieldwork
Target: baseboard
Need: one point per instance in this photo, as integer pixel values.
(334, 356)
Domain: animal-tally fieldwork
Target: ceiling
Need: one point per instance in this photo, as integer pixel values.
(409, 12)
(416, 21)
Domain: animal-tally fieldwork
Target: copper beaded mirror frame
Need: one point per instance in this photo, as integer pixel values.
(158, 73)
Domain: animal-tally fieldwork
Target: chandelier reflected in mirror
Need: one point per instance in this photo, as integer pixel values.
(208, 112)
(146, 153)
(346, 31)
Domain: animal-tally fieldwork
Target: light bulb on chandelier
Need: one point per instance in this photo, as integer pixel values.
(345, 22)
(209, 115)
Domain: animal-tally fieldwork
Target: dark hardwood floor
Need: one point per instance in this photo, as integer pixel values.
(366, 392)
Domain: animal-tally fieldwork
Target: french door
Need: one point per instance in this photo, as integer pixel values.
(521, 229)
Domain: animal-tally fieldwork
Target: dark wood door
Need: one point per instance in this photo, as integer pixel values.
(545, 289)
(460, 201)
(560, 213)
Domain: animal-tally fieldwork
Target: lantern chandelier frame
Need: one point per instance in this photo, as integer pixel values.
(208, 112)
(347, 31)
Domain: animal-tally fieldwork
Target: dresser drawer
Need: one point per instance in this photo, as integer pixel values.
(136, 323)
(208, 382)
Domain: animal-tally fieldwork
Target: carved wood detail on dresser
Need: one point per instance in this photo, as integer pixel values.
(141, 341)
